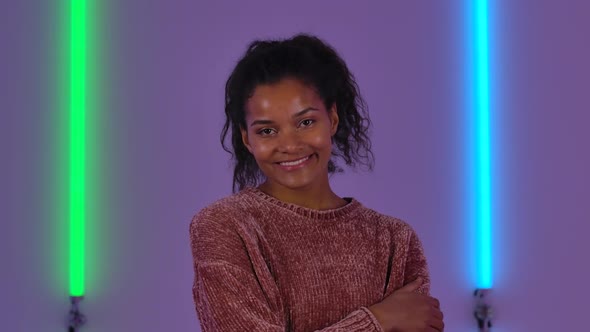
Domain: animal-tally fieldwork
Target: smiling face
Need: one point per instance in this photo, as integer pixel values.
(289, 132)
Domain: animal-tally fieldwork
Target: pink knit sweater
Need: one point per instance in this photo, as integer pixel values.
(265, 265)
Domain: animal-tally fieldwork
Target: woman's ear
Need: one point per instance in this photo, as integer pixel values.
(245, 140)
(334, 120)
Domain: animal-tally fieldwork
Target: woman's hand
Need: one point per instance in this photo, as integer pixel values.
(407, 311)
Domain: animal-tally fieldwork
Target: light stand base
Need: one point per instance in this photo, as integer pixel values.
(483, 311)
(75, 317)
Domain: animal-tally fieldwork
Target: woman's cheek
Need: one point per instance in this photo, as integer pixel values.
(262, 148)
(321, 141)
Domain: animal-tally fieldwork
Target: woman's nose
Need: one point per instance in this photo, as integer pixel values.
(289, 142)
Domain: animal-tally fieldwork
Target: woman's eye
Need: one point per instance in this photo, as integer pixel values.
(265, 132)
(307, 122)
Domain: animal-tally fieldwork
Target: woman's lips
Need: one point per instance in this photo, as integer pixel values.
(294, 164)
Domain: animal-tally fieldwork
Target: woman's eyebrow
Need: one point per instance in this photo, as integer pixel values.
(305, 111)
(261, 122)
(296, 115)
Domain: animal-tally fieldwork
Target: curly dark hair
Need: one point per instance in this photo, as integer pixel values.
(316, 64)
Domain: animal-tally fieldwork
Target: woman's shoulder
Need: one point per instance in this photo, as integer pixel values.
(224, 204)
(216, 222)
(218, 230)
(223, 209)
(394, 224)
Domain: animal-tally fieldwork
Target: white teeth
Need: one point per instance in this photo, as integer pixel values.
(294, 163)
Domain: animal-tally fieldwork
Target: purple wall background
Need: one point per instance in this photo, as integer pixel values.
(158, 157)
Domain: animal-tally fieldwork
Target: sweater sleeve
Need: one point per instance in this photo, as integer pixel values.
(228, 298)
(233, 293)
(416, 266)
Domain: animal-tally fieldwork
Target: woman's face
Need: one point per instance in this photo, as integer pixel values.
(289, 132)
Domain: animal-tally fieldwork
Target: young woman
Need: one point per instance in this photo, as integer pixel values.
(284, 252)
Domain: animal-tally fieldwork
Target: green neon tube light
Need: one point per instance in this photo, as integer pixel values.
(77, 194)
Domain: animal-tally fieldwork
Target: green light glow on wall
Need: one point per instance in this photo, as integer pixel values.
(77, 88)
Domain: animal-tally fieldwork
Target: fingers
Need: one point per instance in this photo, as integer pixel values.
(424, 309)
(437, 325)
(438, 314)
(412, 286)
(434, 302)
(437, 320)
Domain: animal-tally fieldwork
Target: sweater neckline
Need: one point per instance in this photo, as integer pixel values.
(309, 213)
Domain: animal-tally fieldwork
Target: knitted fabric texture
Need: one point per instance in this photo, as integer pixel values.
(265, 265)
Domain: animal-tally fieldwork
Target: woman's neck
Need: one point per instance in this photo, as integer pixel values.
(319, 197)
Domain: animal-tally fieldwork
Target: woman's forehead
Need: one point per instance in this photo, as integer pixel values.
(285, 96)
